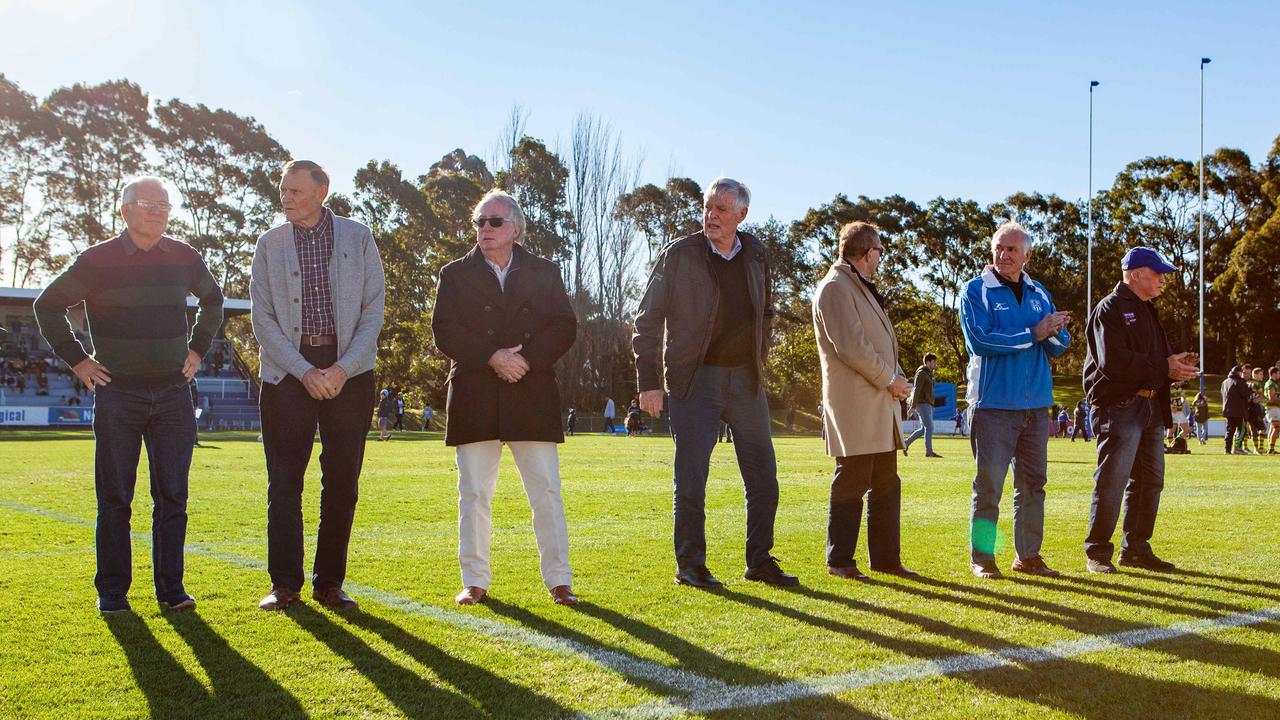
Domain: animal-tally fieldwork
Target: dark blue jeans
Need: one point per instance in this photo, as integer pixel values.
(123, 420)
(732, 395)
(1001, 438)
(1130, 463)
(875, 476)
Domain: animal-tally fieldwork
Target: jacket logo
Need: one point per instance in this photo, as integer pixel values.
(1035, 305)
(1001, 306)
(1130, 318)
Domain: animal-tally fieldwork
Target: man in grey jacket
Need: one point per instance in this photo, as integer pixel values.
(705, 318)
(317, 291)
(922, 401)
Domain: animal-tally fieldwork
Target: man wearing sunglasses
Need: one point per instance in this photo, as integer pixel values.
(134, 288)
(705, 318)
(317, 290)
(503, 319)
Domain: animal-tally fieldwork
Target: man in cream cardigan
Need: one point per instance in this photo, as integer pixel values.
(862, 385)
(317, 291)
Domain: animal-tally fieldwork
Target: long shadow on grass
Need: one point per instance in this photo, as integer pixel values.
(170, 690)
(1207, 650)
(496, 696)
(1112, 590)
(412, 695)
(1222, 586)
(691, 657)
(240, 688)
(1084, 689)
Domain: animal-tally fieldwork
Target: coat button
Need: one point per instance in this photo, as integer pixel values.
(524, 311)
(295, 300)
(295, 328)
(295, 274)
(489, 332)
(526, 336)
(488, 308)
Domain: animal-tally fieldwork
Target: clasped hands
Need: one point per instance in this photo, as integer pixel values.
(509, 364)
(1050, 324)
(1184, 366)
(325, 384)
(900, 388)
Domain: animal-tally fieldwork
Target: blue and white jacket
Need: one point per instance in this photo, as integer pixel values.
(1008, 369)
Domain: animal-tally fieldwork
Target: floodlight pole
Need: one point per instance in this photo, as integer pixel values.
(1088, 293)
(1203, 61)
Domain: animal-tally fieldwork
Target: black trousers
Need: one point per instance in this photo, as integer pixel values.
(289, 419)
(875, 476)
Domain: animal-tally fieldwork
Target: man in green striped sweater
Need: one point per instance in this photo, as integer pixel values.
(134, 287)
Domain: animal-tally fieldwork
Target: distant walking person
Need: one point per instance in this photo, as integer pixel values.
(609, 412)
(1200, 413)
(1011, 330)
(862, 386)
(317, 290)
(1235, 408)
(386, 408)
(922, 402)
(571, 423)
(1081, 426)
(705, 319)
(503, 319)
(134, 288)
(1128, 370)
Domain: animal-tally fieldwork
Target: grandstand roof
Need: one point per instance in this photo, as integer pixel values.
(231, 307)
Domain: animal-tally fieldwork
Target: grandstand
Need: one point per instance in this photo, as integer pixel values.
(38, 389)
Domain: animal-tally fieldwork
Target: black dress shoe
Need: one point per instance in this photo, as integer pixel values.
(769, 572)
(898, 570)
(848, 572)
(697, 576)
(1146, 561)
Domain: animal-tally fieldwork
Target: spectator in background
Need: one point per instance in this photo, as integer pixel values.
(1235, 408)
(571, 422)
(386, 408)
(922, 403)
(1200, 413)
(609, 412)
(427, 415)
(634, 421)
(1271, 396)
(399, 425)
(1257, 413)
(726, 433)
(1064, 423)
(1080, 428)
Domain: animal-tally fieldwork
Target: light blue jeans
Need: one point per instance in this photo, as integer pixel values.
(1001, 438)
(925, 413)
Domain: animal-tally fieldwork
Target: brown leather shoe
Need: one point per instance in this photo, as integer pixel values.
(279, 598)
(985, 569)
(334, 598)
(471, 595)
(563, 595)
(1034, 565)
(899, 571)
(848, 572)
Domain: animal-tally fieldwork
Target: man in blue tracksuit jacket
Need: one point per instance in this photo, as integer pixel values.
(1011, 330)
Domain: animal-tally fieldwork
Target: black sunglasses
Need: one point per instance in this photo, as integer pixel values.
(495, 222)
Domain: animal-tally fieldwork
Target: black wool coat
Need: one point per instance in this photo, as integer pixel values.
(474, 317)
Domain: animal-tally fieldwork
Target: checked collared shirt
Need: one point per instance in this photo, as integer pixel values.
(315, 249)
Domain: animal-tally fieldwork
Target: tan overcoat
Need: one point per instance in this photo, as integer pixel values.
(859, 354)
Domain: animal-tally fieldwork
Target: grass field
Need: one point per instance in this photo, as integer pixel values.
(1202, 643)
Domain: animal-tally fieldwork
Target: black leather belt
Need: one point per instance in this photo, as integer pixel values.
(318, 340)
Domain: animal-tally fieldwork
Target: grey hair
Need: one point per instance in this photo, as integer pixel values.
(131, 188)
(517, 215)
(1012, 226)
(724, 184)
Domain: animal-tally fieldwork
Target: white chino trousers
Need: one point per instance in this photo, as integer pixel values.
(539, 466)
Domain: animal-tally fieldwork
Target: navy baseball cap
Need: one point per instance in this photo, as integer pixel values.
(1141, 257)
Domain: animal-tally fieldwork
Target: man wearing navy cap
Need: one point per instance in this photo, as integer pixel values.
(1128, 369)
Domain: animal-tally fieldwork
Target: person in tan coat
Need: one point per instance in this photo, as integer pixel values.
(862, 386)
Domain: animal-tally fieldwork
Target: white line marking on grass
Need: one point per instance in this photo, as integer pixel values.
(739, 697)
(620, 662)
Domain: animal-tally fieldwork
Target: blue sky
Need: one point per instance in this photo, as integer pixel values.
(799, 100)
